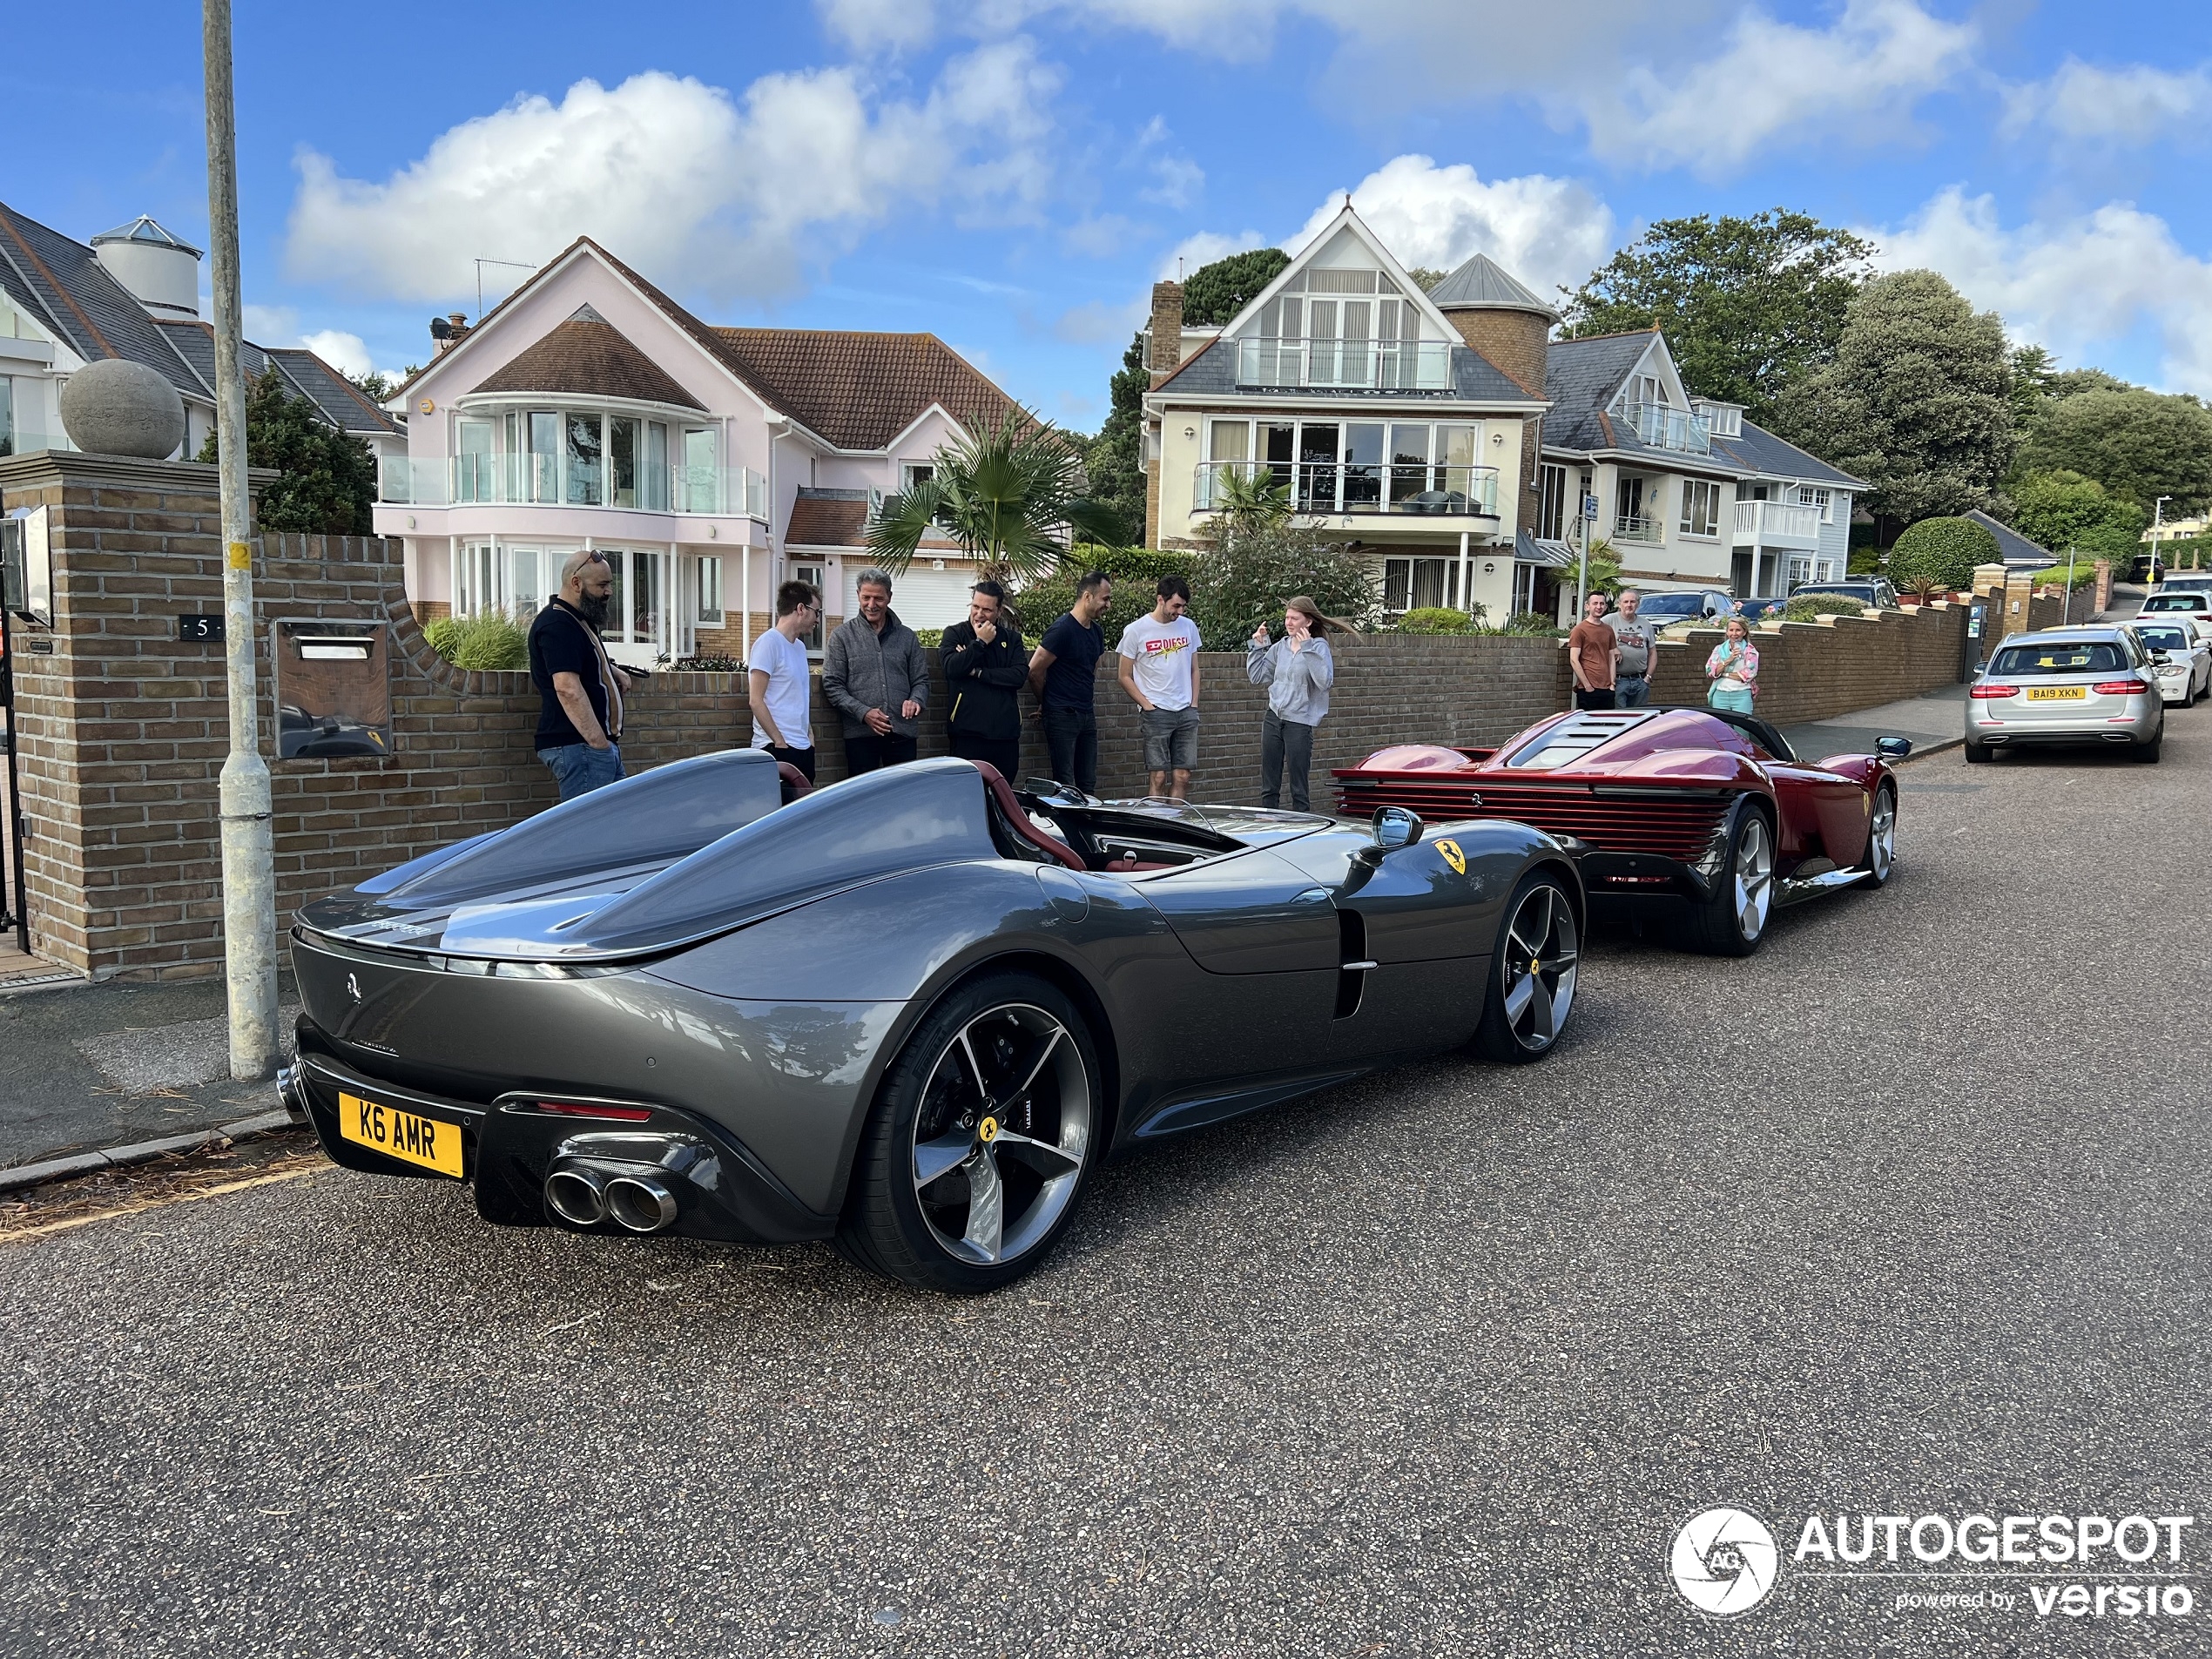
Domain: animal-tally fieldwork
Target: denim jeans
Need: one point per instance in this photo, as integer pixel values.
(1072, 736)
(579, 768)
(1631, 693)
(1171, 739)
(1285, 745)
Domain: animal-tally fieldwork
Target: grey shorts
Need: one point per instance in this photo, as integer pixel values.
(1171, 738)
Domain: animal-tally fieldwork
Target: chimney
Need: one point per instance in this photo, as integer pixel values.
(448, 332)
(1167, 329)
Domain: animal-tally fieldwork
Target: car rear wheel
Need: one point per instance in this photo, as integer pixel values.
(1976, 753)
(2147, 753)
(1734, 920)
(1532, 973)
(980, 1142)
(1880, 859)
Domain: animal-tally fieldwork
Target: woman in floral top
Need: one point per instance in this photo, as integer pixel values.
(1734, 669)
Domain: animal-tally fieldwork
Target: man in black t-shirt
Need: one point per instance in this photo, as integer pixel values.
(579, 722)
(1063, 670)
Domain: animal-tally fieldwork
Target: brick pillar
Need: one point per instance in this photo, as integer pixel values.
(2104, 586)
(1167, 329)
(2018, 594)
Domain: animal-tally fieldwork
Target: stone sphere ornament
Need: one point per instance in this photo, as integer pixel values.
(119, 407)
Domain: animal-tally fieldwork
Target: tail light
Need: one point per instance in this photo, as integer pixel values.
(610, 1114)
(2120, 688)
(1995, 690)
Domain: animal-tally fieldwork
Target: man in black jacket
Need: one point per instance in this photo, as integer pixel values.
(985, 670)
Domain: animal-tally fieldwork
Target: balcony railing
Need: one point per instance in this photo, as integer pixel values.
(1774, 523)
(539, 481)
(1357, 365)
(1634, 526)
(1666, 427)
(1352, 486)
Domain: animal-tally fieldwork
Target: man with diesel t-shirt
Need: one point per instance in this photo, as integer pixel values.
(777, 676)
(579, 722)
(1159, 669)
(1592, 653)
(1063, 673)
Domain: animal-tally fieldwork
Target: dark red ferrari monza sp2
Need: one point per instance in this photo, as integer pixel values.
(1674, 804)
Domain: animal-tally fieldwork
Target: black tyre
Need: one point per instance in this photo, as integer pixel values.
(1533, 972)
(1734, 921)
(1880, 860)
(980, 1142)
(1976, 753)
(2147, 753)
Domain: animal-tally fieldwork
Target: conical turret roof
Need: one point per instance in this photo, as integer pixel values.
(1482, 284)
(147, 229)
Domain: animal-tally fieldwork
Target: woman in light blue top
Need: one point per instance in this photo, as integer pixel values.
(1298, 671)
(1733, 669)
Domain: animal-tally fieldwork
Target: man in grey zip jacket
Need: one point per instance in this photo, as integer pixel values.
(876, 679)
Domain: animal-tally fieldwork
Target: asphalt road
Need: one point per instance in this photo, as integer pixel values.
(1907, 1215)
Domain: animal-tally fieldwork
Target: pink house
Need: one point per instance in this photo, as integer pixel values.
(591, 410)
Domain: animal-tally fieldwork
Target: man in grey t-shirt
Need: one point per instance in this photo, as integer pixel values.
(1634, 685)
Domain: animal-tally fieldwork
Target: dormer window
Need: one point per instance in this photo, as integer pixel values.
(1647, 388)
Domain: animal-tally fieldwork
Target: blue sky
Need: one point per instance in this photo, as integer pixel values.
(1012, 174)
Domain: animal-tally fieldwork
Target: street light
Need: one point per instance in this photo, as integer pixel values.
(2157, 519)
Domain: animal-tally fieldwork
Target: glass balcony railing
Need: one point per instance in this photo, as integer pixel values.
(16, 442)
(1634, 526)
(1352, 486)
(1666, 427)
(1359, 365)
(541, 481)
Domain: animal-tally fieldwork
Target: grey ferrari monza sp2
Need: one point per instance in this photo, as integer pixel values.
(909, 1012)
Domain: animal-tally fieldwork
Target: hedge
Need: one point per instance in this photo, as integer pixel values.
(1942, 553)
(1434, 619)
(490, 639)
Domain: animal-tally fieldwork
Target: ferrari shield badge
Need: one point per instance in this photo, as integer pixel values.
(1453, 857)
(989, 1130)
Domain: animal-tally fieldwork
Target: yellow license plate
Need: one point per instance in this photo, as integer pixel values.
(406, 1136)
(2057, 693)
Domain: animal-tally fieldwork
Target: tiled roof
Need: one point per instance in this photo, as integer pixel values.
(861, 390)
(1481, 283)
(349, 408)
(60, 283)
(594, 359)
(2012, 547)
(1211, 372)
(828, 518)
(1761, 451)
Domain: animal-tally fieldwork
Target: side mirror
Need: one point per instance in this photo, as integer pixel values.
(1892, 748)
(1395, 827)
(2161, 656)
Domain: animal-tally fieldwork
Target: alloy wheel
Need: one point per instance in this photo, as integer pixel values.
(1754, 877)
(1001, 1134)
(1541, 951)
(1881, 836)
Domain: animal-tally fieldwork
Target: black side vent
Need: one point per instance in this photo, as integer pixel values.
(1351, 951)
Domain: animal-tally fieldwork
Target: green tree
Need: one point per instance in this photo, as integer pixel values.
(1218, 291)
(1113, 461)
(1941, 553)
(1136, 571)
(375, 385)
(1249, 498)
(326, 482)
(1244, 580)
(2057, 510)
(1425, 277)
(2138, 445)
(1917, 399)
(1747, 305)
(1011, 494)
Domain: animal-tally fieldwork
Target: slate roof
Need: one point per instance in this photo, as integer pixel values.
(828, 518)
(58, 280)
(1581, 377)
(1211, 372)
(348, 407)
(2012, 547)
(589, 357)
(1481, 283)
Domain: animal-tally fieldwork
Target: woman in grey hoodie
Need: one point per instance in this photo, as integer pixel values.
(1298, 671)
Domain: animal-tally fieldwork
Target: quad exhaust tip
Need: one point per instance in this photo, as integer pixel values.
(640, 1203)
(575, 1196)
(585, 1196)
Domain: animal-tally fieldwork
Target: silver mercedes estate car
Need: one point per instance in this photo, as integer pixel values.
(2093, 684)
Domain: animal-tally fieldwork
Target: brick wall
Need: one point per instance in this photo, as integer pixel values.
(124, 728)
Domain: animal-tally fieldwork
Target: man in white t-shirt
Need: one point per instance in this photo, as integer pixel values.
(1159, 669)
(777, 675)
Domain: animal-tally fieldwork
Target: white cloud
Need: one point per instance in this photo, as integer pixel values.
(1546, 232)
(1777, 82)
(735, 196)
(2079, 286)
(1204, 247)
(2135, 105)
(347, 353)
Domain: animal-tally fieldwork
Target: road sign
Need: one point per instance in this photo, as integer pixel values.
(1589, 507)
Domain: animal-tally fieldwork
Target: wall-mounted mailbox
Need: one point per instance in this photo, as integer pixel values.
(334, 689)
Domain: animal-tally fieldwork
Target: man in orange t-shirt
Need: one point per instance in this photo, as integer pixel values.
(1593, 652)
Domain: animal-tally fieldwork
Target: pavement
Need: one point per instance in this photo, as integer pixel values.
(1935, 720)
(1910, 1214)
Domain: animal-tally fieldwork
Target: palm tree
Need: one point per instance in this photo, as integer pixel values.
(1247, 497)
(1011, 494)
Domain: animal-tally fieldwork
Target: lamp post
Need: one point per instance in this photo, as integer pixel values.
(2157, 520)
(249, 879)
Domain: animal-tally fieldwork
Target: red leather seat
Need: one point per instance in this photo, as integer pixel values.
(795, 782)
(1017, 819)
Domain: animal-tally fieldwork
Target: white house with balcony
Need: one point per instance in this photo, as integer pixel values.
(1689, 492)
(1369, 402)
(709, 464)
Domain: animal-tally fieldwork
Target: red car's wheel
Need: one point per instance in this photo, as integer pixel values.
(1880, 860)
(1733, 921)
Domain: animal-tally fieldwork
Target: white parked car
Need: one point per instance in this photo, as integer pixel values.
(2171, 603)
(2186, 674)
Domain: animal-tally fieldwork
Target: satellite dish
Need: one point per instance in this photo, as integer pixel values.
(441, 329)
